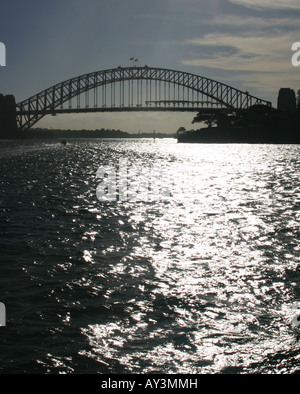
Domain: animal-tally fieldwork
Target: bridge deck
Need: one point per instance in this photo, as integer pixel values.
(127, 109)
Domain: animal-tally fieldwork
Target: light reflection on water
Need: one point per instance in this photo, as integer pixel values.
(203, 281)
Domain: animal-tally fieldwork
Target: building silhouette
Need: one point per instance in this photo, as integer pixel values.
(8, 122)
(287, 100)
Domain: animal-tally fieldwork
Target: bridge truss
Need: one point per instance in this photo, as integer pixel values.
(134, 89)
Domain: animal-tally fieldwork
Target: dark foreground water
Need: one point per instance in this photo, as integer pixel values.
(197, 272)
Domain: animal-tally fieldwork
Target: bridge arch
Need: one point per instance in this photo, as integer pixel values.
(154, 90)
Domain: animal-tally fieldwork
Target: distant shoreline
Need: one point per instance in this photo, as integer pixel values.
(74, 134)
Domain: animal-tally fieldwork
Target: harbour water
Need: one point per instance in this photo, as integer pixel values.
(199, 277)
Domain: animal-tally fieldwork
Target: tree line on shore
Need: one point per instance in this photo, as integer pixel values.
(260, 118)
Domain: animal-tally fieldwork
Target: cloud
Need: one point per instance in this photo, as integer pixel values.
(260, 54)
(238, 22)
(269, 4)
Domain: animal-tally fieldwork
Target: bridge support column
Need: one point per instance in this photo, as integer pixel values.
(8, 117)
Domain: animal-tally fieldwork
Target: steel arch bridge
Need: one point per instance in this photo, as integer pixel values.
(134, 89)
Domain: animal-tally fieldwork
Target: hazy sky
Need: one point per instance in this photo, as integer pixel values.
(244, 43)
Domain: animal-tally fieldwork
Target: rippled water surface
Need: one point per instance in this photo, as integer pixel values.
(198, 277)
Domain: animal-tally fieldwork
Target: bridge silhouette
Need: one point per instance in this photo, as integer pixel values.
(134, 89)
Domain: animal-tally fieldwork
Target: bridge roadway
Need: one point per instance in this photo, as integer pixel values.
(129, 109)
